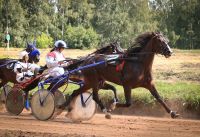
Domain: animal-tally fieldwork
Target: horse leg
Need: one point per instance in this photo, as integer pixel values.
(127, 93)
(99, 102)
(154, 92)
(107, 86)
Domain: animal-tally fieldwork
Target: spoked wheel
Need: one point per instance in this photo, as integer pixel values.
(43, 104)
(6, 88)
(15, 102)
(59, 100)
(80, 112)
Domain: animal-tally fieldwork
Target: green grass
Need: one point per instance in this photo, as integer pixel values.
(188, 93)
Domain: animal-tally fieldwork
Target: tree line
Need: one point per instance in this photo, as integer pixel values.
(91, 23)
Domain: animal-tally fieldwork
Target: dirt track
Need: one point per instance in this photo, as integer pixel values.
(126, 126)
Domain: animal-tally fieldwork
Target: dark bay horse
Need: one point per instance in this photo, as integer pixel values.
(8, 75)
(136, 64)
(7, 65)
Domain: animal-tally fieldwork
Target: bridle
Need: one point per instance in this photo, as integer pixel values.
(163, 42)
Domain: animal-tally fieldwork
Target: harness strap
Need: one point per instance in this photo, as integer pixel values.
(120, 66)
(82, 100)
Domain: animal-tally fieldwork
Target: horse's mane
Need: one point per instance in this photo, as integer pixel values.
(109, 46)
(139, 43)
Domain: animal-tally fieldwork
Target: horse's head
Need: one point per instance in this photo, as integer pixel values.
(160, 45)
(30, 47)
(111, 48)
(34, 56)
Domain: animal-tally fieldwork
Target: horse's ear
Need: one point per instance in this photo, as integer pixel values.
(158, 33)
(155, 33)
(29, 44)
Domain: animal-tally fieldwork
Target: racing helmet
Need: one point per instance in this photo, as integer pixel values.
(60, 44)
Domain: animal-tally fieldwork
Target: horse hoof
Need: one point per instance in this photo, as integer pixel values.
(108, 116)
(174, 114)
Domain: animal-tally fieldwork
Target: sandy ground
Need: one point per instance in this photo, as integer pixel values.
(26, 125)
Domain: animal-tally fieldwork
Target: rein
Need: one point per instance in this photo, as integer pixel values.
(133, 58)
(140, 53)
(125, 58)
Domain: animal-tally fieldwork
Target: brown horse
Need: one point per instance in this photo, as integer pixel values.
(136, 70)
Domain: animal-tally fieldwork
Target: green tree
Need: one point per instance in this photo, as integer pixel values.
(180, 19)
(44, 41)
(39, 15)
(13, 16)
(111, 20)
(123, 20)
(80, 37)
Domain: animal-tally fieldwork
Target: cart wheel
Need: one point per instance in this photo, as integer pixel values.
(43, 104)
(79, 112)
(59, 100)
(4, 92)
(14, 102)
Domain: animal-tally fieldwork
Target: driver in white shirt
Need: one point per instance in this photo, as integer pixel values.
(55, 60)
(23, 69)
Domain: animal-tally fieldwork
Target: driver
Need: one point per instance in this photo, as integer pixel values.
(23, 69)
(55, 60)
